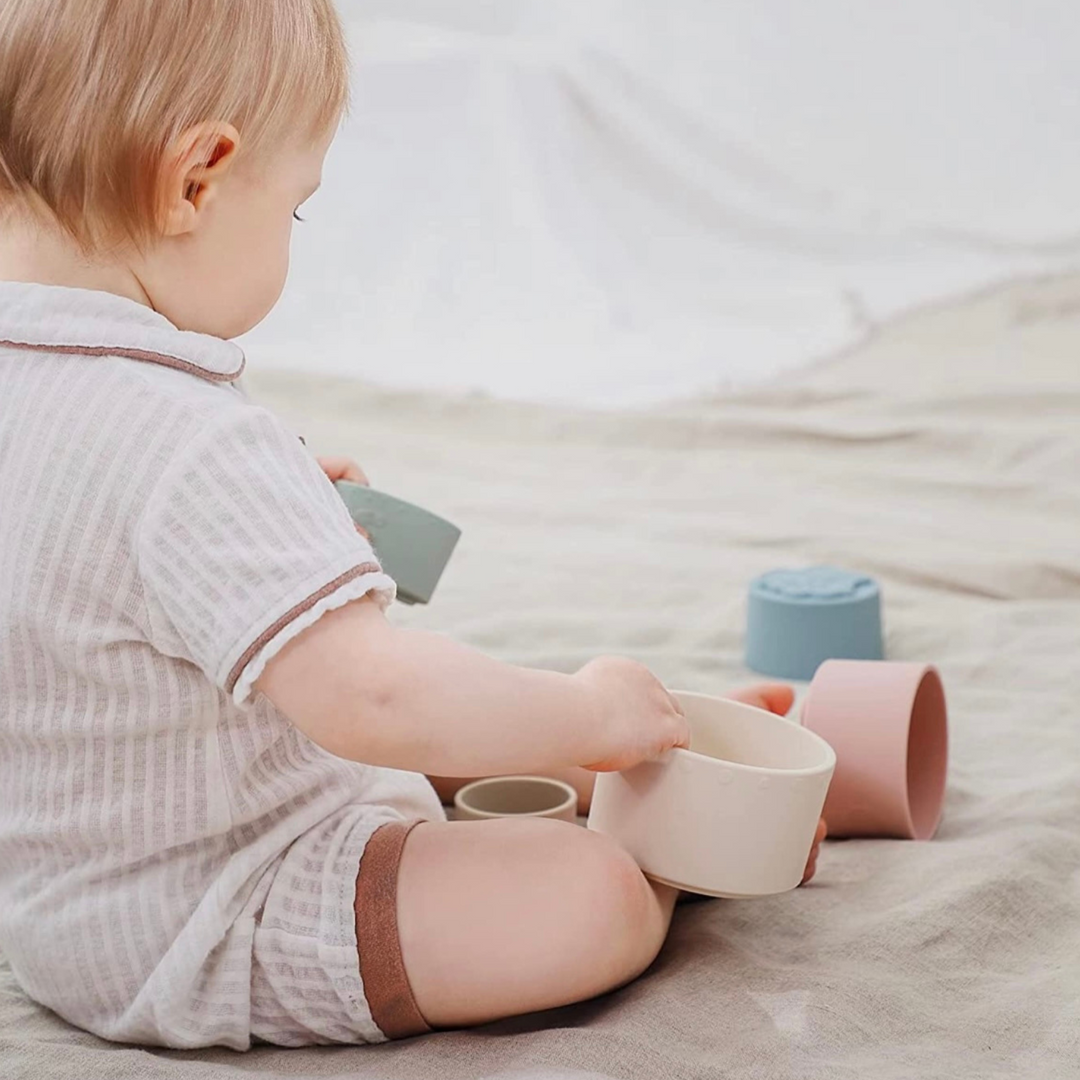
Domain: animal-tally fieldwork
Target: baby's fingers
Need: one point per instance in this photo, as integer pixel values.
(682, 725)
(343, 468)
(811, 862)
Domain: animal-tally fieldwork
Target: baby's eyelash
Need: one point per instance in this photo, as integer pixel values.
(296, 216)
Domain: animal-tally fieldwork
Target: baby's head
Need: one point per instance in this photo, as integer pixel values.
(175, 139)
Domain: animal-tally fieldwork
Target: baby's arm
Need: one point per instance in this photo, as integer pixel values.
(407, 699)
(773, 697)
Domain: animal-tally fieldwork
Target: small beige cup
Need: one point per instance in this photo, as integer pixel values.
(516, 796)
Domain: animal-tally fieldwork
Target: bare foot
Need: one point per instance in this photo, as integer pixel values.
(772, 697)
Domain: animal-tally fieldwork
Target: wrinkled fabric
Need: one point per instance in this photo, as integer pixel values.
(944, 459)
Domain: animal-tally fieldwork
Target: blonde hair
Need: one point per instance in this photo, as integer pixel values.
(93, 92)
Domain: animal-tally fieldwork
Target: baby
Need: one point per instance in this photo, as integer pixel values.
(215, 825)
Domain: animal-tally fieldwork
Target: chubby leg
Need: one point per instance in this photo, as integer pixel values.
(499, 918)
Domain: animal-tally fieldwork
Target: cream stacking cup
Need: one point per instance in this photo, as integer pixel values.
(734, 815)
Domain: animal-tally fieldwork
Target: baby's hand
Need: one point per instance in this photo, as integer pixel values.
(634, 718)
(811, 863)
(343, 468)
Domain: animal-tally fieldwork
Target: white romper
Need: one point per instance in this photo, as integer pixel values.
(178, 863)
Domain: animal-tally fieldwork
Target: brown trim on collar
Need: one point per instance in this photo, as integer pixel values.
(305, 605)
(162, 359)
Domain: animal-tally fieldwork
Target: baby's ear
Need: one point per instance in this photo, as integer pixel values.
(195, 165)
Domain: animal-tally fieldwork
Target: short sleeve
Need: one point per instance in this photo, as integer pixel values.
(243, 544)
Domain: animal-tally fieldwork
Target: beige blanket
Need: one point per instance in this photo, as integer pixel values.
(942, 456)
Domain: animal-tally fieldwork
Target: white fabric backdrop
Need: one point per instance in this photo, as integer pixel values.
(622, 200)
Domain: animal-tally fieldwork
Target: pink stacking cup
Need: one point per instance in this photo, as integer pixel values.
(887, 723)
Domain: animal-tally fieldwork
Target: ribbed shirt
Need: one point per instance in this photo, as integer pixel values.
(161, 538)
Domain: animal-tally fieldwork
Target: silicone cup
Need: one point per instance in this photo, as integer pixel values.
(888, 724)
(413, 544)
(795, 619)
(734, 816)
(516, 796)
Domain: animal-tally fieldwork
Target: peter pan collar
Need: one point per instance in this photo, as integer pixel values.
(81, 322)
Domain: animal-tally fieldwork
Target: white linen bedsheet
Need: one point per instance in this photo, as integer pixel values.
(944, 457)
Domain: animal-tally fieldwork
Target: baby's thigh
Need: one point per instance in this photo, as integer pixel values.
(505, 917)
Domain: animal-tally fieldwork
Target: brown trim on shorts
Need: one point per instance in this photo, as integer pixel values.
(272, 631)
(386, 985)
(162, 359)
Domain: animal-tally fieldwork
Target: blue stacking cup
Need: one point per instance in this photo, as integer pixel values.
(798, 619)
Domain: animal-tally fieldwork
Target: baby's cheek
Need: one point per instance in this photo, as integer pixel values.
(277, 275)
(264, 283)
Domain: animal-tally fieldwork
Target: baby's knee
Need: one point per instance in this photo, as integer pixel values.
(618, 926)
(613, 878)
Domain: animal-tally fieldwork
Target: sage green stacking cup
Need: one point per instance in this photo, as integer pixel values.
(413, 544)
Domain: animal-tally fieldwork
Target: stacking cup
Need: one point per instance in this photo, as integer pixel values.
(888, 724)
(516, 796)
(413, 544)
(796, 619)
(733, 816)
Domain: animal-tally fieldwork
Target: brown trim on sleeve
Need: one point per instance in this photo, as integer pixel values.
(305, 605)
(386, 984)
(162, 359)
